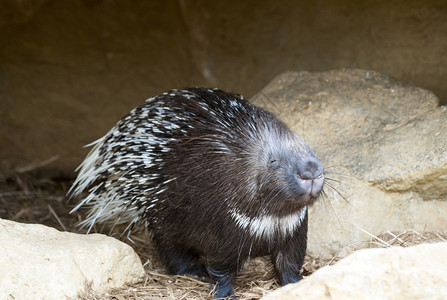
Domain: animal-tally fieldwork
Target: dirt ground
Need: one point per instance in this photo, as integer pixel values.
(30, 198)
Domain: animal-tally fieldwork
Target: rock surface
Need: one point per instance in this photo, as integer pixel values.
(384, 148)
(394, 273)
(69, 70)
(39, 262)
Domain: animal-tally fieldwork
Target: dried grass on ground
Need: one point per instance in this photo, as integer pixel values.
(25, 198)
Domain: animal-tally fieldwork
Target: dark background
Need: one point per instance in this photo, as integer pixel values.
(70, 69)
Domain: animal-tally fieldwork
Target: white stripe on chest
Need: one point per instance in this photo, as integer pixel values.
(268, 226)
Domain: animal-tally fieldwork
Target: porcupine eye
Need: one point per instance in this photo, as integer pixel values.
(273, 163)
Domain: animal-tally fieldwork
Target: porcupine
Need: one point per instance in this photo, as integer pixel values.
(216, 179)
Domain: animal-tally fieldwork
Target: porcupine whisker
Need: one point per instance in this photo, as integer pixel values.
(340, 174)
(269, 200)
(272, 191)
(269, 176)
(324, 197)
(333, 180)
(334, 189)
(326, 200)
(330, 182)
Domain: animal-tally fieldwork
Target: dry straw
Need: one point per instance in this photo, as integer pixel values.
(29, 200)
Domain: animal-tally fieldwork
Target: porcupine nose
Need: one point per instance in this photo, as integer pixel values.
(311, 178)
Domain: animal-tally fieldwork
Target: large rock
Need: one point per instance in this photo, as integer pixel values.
(396, 273)
(69, 70)
(384, 148)
(39, 262)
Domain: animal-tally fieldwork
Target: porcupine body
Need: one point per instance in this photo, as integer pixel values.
(216, 179)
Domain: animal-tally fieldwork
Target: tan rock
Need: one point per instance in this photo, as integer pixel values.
(69, 70)
(39, 262)
(384, 148)
(417, 272)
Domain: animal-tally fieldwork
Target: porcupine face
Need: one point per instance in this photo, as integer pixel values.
(292, 177)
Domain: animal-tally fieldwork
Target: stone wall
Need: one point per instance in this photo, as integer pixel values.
(70, 69)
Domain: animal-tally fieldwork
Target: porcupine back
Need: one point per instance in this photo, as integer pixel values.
(125, 171)
(206, 143)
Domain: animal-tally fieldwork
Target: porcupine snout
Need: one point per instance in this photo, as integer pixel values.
(310, 178)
